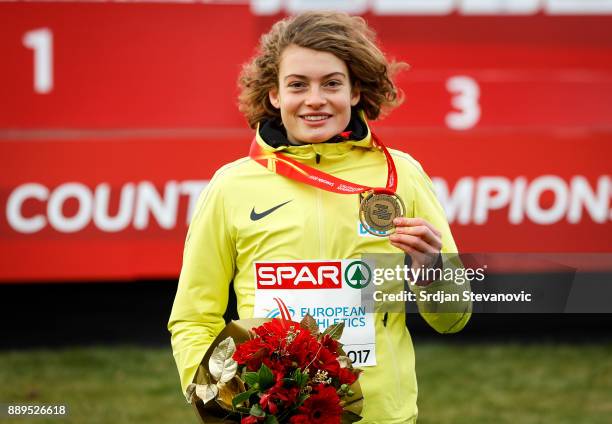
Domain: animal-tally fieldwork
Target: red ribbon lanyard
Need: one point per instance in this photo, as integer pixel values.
(290, 168)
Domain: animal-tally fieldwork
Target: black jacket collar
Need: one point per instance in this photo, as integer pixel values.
(274, 134)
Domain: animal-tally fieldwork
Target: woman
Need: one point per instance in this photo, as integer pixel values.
(288, 221)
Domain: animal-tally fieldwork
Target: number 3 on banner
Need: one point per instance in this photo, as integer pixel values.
(466, 94)
(41, 41)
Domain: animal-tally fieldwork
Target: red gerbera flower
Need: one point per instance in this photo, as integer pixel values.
(330, 344)
(267, 403)
(285, 392)
(302, 348)
(346, 376)
(251, 353)
(322, 407)
(327, 361)
(273, 331)
(249, 419)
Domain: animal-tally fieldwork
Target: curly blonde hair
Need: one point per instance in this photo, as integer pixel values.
(347, 37)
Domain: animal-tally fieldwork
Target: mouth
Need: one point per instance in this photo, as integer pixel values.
(315, 117)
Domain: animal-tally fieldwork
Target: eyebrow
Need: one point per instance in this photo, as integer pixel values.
(324, 76)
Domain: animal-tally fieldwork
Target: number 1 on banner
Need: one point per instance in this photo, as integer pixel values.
(466, 95)
(41, 41)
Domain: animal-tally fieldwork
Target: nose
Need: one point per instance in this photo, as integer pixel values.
(315, 98)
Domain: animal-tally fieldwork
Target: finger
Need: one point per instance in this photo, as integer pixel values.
(415, 242)
(414, 254)
(417, 257)
(403, 247)
(412, 222)
(424, 233)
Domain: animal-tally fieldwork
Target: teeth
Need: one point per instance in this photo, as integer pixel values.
(315, 117)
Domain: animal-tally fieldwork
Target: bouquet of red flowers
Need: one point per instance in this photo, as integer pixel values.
(286, 372)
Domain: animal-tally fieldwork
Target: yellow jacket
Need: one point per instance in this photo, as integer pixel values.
(224, 241)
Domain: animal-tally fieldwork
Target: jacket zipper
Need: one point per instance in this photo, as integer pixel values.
(320, 215)
(320, 221)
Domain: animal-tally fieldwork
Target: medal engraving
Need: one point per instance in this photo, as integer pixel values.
(377, 212)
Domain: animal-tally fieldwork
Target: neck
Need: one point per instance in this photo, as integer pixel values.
(296, 143)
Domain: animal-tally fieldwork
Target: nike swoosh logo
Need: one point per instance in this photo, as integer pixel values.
(257, 216)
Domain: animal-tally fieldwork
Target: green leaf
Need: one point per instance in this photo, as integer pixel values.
(243, 397)
(335, 331)
(270, 419)
(251, 378)
(266, 378)
(300, 378)
(302, 399)
(257, 411)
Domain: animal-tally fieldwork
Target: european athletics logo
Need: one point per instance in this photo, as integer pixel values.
(275, 313)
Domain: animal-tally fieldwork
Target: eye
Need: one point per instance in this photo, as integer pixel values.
(296, 84)
(333, 83)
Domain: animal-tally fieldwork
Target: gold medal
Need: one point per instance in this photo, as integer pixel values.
(377, 212)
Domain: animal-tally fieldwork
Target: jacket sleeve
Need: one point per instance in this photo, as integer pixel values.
(447, 317)
(202, 293)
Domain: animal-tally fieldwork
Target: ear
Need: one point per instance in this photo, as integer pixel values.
(355, 94)
(274, 99)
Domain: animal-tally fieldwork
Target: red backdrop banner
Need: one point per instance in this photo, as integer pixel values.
(114, 117)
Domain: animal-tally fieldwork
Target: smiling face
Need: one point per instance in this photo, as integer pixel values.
(314, 95)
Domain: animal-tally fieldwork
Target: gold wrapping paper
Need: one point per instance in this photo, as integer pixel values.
(240, 331)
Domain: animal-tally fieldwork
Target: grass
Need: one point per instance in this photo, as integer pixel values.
(515, 384)
(100, 385)
(480, 383)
